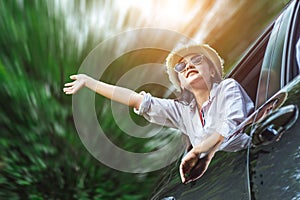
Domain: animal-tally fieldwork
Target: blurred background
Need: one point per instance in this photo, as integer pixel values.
(43, 42)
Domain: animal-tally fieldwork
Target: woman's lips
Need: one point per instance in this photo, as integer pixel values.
(191, 72)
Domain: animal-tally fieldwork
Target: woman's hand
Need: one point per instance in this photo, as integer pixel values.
(186, 165)
(192, 167)
(77, 84)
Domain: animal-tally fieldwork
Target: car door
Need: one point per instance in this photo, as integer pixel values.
(275, 162)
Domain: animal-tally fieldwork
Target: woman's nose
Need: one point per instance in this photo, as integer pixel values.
(189, 66)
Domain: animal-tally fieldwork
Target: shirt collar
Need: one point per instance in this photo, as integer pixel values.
(212, 95)
(213, 91)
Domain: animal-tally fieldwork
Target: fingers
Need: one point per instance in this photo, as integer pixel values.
(186, 166)
(184, 170)
(73, 77)
(182, 173)
(70, 88)
(70, 84)
(190, 173)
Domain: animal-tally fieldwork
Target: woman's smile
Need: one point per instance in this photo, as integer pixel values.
(191, 72)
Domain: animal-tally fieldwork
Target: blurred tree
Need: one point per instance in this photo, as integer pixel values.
(41, 155)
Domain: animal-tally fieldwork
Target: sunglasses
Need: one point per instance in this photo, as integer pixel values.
(195, 60)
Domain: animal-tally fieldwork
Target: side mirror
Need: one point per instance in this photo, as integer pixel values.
(274, 125)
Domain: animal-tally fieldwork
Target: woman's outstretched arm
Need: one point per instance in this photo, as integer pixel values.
(115, 93)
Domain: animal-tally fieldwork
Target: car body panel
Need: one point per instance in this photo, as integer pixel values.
(275, 168)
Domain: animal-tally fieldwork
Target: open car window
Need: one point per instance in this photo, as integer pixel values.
(264, 69)
(272, 70)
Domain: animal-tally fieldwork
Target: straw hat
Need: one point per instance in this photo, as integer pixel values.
(179, 52)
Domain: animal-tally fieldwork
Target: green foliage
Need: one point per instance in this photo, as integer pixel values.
(41, 154)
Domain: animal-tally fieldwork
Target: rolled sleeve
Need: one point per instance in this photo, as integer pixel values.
(145, 105)
(164, 112)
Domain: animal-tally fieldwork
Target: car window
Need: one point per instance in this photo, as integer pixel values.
(294, 62)
(248, 68)
(294, 49)
(270, 77)
(298, 56)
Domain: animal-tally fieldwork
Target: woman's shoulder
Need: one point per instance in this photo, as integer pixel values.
(229, 83)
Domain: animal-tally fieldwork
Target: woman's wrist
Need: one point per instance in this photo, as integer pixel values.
(196, 150)
(88, 81)
(85, 79)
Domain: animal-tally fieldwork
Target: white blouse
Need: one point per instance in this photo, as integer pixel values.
(226, 108)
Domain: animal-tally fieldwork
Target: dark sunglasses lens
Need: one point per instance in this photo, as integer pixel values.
(179, 67)
(196, 60)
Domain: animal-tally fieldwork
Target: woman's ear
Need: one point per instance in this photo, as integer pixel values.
(212, 73)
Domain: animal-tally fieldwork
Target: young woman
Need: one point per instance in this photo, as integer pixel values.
(208, 112)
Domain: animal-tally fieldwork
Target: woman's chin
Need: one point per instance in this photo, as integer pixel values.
(198, 82)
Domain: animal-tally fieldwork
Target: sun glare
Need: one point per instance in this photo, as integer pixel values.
(167, 13)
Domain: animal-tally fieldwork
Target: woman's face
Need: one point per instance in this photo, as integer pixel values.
(196, 74)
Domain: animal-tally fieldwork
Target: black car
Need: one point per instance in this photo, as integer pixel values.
(270, 168)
